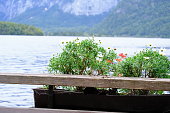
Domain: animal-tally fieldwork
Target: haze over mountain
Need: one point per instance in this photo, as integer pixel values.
(49, 14)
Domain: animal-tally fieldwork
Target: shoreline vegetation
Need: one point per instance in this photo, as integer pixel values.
(85, 34)
(10, 28)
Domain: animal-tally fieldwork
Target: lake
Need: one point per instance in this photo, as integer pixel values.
(30, 54)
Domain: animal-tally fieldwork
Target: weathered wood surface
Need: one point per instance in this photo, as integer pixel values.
(42, 110)
(86, 81)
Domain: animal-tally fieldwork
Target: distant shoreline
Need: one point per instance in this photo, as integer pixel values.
(83, 36)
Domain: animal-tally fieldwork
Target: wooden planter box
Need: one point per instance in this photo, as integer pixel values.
(78, 100)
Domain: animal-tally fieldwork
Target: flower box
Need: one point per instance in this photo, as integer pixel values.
(100, 102)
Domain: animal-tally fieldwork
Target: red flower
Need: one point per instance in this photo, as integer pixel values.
(122, 55)
(118, 60)
(109, 61)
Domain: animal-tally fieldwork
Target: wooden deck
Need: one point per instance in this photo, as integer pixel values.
(42, 110)
(86, 81)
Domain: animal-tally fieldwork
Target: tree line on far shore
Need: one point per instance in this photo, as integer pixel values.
(9, 28)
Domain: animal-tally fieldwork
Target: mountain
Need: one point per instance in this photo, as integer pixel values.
(52, 15)
(137, 18)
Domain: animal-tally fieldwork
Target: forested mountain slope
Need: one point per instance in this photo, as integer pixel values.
(141, 18)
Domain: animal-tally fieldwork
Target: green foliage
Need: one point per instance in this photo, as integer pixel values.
(8, 28)
(147, 63)
(139, 92)
(84, 57)
(137, 18)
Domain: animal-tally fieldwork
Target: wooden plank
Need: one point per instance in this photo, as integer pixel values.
(86, 81)
(42, 110)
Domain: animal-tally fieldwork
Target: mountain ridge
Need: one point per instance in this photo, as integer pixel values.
(137, 18)
(56, 14)
(13, 8)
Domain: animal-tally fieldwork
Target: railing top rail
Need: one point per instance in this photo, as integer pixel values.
(86, 81)
(44, 110)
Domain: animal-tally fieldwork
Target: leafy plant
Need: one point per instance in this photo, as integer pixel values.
(84, 57)
(87, 57)
(149, 63)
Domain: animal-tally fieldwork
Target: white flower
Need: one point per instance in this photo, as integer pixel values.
(100, 55)
(146, 58)
(149, 45)
(111, 73)
(162, 53)
(99, 59)
(162, 50)
(95, 72)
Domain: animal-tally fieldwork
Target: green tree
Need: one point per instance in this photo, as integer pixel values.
(8, 28)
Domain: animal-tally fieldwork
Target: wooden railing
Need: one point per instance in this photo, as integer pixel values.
(86, 81)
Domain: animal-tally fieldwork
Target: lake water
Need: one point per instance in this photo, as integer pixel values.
(30, 54)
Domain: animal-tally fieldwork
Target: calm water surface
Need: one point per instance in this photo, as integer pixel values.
(30, 54)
